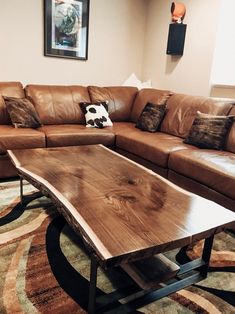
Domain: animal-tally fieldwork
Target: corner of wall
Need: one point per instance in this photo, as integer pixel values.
(146, 3)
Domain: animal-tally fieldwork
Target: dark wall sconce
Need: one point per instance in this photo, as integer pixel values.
(177, 30)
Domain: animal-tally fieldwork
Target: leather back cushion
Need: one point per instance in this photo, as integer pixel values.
(231, 137)
(9, 89)
(144, 96)
(58, 104)
(182, 110)
(120, 100)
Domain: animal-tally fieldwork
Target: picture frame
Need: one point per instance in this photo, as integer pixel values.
(66, 28)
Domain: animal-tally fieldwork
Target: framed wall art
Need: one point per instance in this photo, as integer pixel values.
(66, 26)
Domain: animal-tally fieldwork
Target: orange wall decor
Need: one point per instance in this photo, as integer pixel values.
(178, 11)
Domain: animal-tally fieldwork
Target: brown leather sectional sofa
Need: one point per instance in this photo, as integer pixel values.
(209, 173)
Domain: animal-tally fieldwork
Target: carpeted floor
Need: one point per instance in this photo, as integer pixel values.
(44, 267)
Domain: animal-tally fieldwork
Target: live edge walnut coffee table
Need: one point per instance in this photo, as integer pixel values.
(127, 216)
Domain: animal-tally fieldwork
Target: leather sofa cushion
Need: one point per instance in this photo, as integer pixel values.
(201, 189)
(231, 137)
(182, 110)
(123, 127)
(146, 95)
(120, 100)
(75, 134)
(9, 89)
(215, 169)
(21, 138)
(148, 164)
(154, 147)
(58, 104)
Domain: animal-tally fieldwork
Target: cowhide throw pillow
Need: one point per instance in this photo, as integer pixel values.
(22, 113)
(151, 117)
(96, 114)
(209, 131)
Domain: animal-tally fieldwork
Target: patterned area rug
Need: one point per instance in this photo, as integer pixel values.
(44, 267)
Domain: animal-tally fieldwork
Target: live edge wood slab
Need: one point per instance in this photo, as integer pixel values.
(123, 211)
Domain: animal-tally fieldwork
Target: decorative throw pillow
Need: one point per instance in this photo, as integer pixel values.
(151, 117)
(209, 131)
(96, 114)
(22, 113)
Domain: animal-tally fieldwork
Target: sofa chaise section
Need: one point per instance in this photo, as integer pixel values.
(209, 173)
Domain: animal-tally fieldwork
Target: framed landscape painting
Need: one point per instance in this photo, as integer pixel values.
(66, 25)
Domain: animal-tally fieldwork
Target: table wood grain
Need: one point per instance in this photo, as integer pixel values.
(123, 211)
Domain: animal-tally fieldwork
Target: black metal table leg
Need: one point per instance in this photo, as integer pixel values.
(21, 191)
(26, 199)
(206, 254)
(92, 289)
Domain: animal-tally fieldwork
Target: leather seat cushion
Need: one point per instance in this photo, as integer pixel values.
(154, 147)
(12, 138)
(215, 169)
(123, 127)
(76, 134)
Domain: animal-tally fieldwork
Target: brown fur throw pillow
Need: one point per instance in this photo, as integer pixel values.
(22, 113)
(151, 117)
(209, 131)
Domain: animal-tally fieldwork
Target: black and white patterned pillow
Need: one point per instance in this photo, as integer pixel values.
(96, 114)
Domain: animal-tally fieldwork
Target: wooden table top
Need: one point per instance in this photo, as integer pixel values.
(123, 210)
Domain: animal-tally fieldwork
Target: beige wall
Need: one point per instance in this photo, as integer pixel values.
(116, 38)
(190, 73)
(125, 36)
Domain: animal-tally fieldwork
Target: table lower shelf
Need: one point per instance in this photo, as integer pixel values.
(149, 272)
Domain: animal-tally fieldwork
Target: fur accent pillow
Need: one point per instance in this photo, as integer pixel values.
(22, 113)
(96, 114)
(209, 131)
(151, 117)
